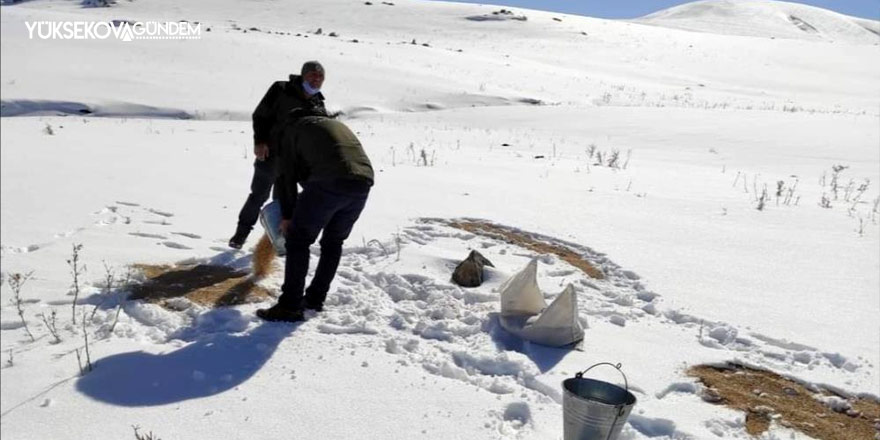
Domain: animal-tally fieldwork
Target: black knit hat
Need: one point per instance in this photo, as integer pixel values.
(311, 66)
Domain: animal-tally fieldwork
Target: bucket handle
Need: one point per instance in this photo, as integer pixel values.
(617, 366)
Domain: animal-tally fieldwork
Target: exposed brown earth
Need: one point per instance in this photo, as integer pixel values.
(766, 396)
(523, 240)
(207, 285)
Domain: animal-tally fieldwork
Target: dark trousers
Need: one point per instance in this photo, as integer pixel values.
(261, 185)
(333, 207)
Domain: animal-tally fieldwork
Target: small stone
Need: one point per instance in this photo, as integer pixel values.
(763, 410)
(711, 395)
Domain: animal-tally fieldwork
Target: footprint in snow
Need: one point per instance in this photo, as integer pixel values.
(652, 427)
(25, 249)
(68, 233)
(162, 213)
(145, 235)
(107, 221)
(11, 325)
(106, 210)
(188, 235)
(174, 245)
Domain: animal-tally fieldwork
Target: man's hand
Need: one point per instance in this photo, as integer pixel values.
(285, 223)
(261, 151)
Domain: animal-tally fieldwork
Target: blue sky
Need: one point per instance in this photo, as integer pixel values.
(638, 8)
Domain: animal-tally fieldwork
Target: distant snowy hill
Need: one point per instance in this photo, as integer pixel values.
(771, 19)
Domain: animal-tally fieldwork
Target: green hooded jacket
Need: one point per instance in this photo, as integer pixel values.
(319, 148)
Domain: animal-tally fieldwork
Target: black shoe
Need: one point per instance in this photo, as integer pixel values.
(237, 240)
(281, 313)
(306, 304)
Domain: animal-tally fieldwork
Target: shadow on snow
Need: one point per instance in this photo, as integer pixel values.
(544, 357)
(214, 363)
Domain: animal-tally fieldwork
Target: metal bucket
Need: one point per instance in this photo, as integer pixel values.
(595, 410)
(270, 218)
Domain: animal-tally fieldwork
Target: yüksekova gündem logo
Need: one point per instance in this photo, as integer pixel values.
(116, 29)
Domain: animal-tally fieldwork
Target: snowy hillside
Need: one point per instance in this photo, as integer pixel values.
(141, 151)
(769, 19)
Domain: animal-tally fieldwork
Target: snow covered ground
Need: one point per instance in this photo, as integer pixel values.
(507, 112)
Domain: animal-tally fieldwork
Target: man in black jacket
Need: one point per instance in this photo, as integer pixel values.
(327, 159)
(299, 92)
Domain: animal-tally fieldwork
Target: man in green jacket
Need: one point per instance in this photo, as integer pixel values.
(327, 160)
(299, 92)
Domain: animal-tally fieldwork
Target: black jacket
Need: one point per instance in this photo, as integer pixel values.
(271, 113)
(318, 148)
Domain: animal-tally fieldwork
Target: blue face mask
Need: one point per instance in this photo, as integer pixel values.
(309, 90)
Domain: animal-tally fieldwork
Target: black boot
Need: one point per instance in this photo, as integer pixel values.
(237, 240)
(281, 313)
(311, 305)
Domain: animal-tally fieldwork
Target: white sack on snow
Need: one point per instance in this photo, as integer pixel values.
(520, 294)
(523, 312)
